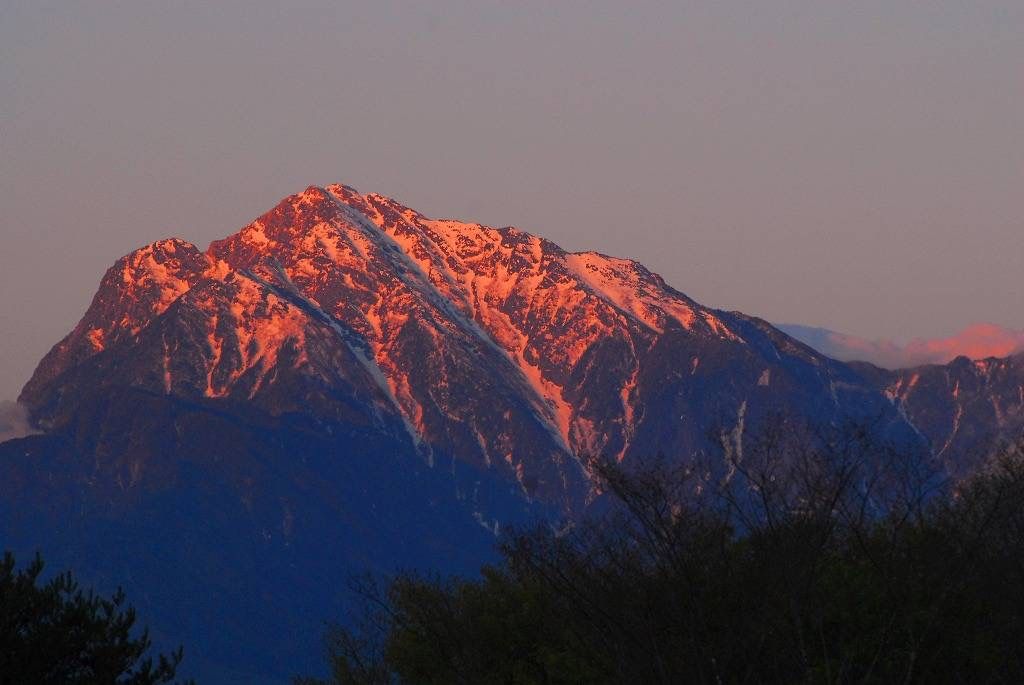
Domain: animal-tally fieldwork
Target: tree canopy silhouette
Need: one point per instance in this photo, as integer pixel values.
(800, 560)
(56, 632)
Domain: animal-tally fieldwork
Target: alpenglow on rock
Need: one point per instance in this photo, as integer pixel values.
(488, 346)
(346, 385)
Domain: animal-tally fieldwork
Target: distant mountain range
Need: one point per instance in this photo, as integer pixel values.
(965, 408)
(964, 393)
(978, 341)
(348, 385)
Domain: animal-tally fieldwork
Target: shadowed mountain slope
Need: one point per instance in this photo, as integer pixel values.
(347, 385)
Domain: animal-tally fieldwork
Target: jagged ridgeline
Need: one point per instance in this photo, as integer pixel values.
(347, 385)
(490, 346)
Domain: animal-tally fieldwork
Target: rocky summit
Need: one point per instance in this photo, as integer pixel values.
(488, 346)
(346, 385)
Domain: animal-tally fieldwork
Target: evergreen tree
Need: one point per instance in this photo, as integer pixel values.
(56, 632)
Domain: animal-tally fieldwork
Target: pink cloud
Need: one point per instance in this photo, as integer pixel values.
(976, 341)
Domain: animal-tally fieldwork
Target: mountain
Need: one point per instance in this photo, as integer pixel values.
(964, 408)
(492, 347)
(347, 385)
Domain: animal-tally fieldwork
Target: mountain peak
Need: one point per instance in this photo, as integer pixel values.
(411, 386)
(488, 345)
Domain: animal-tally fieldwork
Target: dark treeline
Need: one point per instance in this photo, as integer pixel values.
(804, 560)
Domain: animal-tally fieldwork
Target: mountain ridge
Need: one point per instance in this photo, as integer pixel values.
(336, 295)
(966, 408)
(345, 384)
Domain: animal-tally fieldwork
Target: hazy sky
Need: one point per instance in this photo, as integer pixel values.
(855, 165)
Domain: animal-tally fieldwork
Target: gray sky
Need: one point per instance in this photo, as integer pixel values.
(855, 165)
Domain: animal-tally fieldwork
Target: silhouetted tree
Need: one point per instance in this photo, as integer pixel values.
(55, 632)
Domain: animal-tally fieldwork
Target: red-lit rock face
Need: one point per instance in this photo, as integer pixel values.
(346, 386)
(492, 346)
(528, 310)
(138, 288)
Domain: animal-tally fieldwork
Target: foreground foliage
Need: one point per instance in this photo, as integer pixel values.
(840, 562)
(55, 632)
